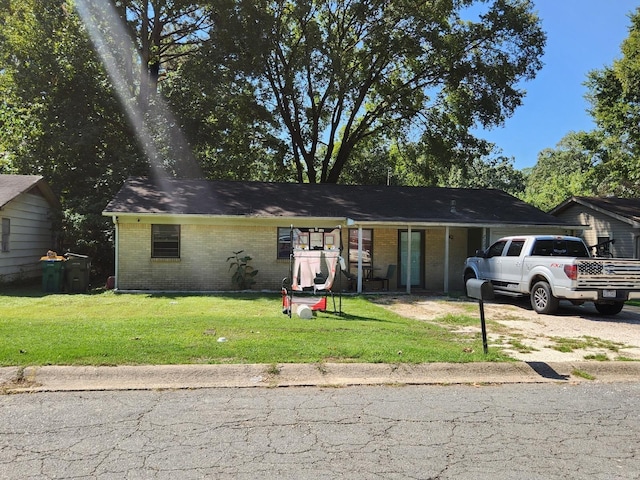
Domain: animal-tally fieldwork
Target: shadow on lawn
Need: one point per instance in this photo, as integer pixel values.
(34, 290)
(248, 297)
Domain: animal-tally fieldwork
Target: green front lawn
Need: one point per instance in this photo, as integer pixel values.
(104, 328)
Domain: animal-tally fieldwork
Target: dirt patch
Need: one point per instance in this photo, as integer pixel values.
(574, 333)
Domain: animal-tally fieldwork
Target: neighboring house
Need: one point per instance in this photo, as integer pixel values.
(605, 218)
(27, 210)
(176, 235)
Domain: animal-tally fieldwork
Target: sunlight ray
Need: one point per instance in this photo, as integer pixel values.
(115, 48)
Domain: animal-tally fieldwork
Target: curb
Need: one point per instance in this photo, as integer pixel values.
(152, 377)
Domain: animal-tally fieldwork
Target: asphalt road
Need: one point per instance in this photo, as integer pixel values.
(545, 431)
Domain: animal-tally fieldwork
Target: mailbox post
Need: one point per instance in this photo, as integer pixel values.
(481, 290)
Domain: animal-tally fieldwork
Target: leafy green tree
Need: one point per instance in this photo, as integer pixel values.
(494, 172)
(190, 121)
(163, 32)
(60, 118)
(230, 133)
(562, 172)
(614, 94)
(372, 162)
(340, 72)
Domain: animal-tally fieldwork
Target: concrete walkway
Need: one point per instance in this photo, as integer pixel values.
(70, 378)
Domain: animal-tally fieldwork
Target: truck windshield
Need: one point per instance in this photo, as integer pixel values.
(563, 248)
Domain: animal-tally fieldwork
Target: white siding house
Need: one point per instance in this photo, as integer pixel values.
(27, 210)
(605, 219)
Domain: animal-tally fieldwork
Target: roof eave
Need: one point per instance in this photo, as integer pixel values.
(341, 220)
(202, 216)
(585, 203)
(47, 192)
(419, 223)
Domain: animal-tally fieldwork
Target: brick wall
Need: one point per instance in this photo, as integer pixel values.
(434, 259)
(385, 253)
(202, 265)
(204, 249)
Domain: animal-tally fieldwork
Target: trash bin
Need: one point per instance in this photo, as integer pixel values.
(76, 273)
(52, 272)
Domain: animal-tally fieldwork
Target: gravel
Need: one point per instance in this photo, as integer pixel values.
(574, 333)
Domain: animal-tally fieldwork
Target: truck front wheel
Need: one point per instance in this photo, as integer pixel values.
(609, 308)
(468, 276)
(542, 299)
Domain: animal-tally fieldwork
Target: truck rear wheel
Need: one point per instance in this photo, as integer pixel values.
(542, 299)
(609, 308)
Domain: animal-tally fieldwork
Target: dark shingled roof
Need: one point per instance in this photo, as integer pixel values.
(628, 208)
(13, 185)
(360, 203)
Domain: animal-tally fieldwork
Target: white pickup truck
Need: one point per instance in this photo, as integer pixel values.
(551, 268)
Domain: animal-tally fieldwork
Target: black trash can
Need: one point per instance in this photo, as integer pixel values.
(76, 273)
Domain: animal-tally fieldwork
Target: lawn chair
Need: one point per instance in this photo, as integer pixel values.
(352, 280)
(391, 271)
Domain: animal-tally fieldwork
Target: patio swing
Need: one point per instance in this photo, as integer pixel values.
(315, 263)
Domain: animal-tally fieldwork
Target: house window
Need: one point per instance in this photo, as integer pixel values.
(284, 242)
(165, 241)
(6, 230)
(307, 239)
(367, 247)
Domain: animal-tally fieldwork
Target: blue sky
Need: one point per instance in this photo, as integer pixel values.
(582, 35)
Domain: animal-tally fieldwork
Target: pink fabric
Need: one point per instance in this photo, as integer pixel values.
(307, 264)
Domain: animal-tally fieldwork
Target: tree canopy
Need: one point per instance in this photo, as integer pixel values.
(336, 73)
(614, 94)
(59, 118)
(356, 91)
(562, 172)
(164, 33)
(605, 161)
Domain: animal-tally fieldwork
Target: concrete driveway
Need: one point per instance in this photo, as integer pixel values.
(574, 333)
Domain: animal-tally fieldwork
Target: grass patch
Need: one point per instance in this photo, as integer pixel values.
(521, 347)
(601, 357)
(105, 328)
(582, 374)
(567, 345)
(453, 320)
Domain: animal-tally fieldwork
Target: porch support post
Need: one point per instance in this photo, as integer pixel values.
(408, 282)
(447, 232)
(359, 260)
(117, 249)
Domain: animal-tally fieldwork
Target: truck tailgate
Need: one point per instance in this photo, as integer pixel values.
(608, 273)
